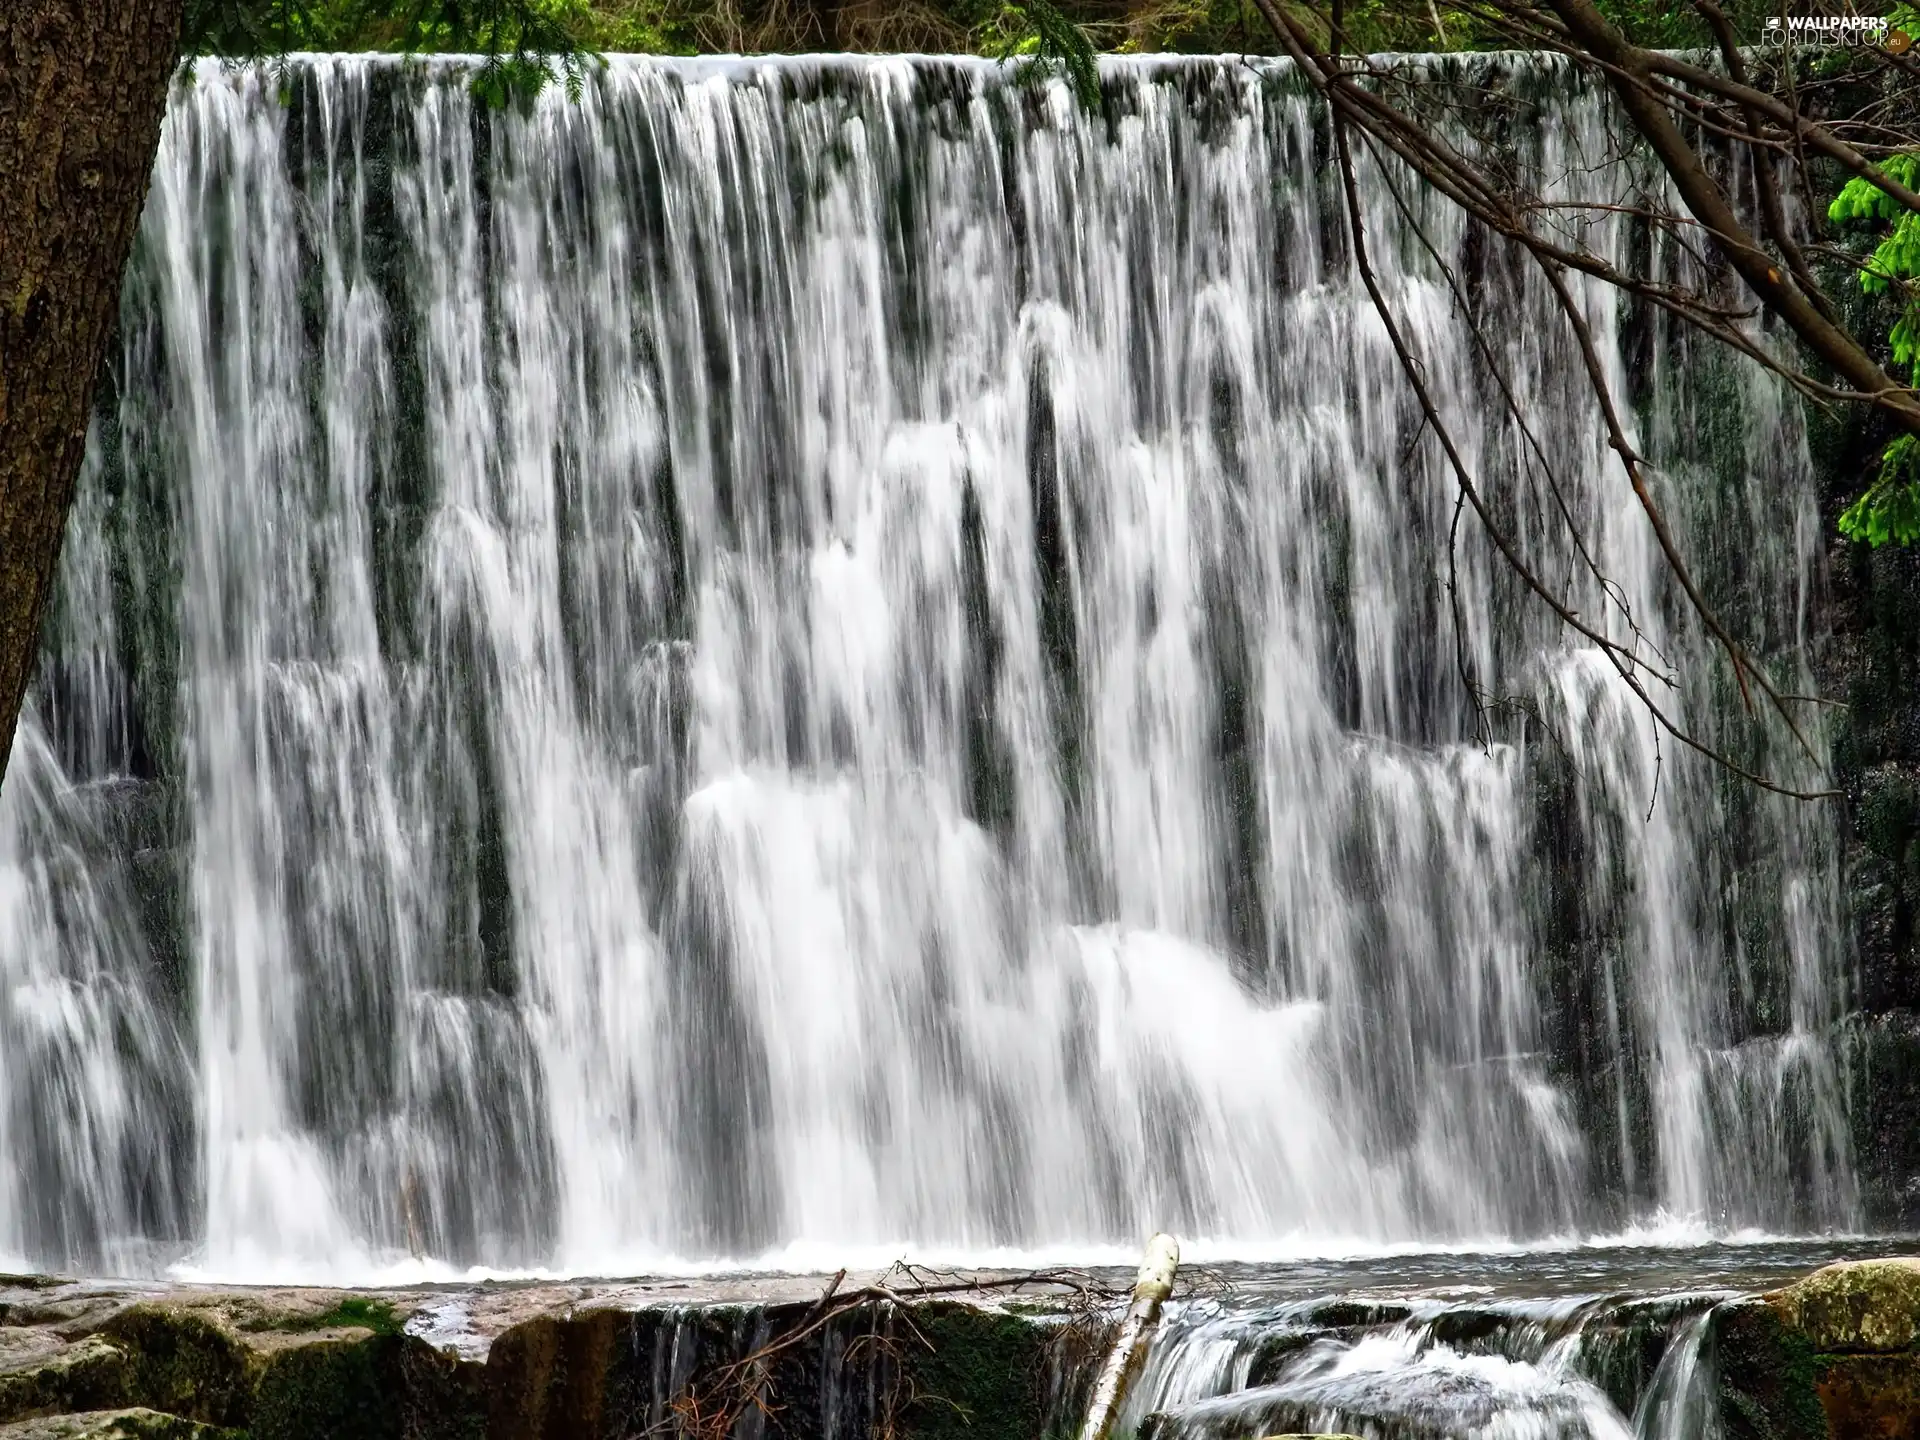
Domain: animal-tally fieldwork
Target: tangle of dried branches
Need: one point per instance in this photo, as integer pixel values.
(712, 1405)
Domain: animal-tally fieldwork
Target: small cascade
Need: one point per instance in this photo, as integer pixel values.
(1576, 1368)
(1681, 1402)
(801, 660)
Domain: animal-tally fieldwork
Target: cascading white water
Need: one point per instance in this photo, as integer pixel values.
(822, 656)
(1565, 1368)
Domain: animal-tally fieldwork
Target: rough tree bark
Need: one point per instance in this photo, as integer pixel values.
(82, 87)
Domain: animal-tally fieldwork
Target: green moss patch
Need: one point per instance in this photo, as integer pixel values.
(362, 1311)
(89, 1375)
(982, 1374)
(182, 1363)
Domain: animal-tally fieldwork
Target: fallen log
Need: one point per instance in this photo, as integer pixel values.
(1150, 1290)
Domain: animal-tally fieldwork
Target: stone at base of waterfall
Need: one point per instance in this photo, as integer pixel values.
(115, 1425)
(1861, 1319)
(1835, 1356)
(1856, 1306)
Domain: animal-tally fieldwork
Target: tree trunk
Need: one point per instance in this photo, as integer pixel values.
(83, 84)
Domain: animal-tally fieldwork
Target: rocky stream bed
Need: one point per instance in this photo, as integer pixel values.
(1836, 1353)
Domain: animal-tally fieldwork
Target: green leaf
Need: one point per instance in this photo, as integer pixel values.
(1047, 42)
(1889, 511)
(1861, 199)
(524, 44)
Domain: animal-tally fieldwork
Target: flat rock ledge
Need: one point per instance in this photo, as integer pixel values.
(84, 1361)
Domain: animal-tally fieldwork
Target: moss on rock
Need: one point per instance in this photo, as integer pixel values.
(340, 1388)
(310, 1372)
(135, 1424)
(982, 1374)
(304, 1312)
(1860, 1306)
(1769, 1376)
(183, 1362)
(90, 1374)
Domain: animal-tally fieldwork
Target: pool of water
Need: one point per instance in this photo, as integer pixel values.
(1598, 1268)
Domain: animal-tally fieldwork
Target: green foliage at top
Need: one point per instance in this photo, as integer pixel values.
(1889, 510)
(523, 44)
(1668, 25)
(536, 40)
(1054, 43)
(1861, 199)
(527, 44)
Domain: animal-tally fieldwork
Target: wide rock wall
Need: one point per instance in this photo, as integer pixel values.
(1872, 666)
(521, 1363)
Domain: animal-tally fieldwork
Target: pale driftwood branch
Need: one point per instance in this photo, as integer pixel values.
(1150, 1290)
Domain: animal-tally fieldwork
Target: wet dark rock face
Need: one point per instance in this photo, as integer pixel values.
(1872, 664)
(1885, 1053)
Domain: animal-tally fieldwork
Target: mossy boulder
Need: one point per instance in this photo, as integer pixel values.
(347, 1386)
(1835, 1356)
(183, 1361)
(54, 1378)
(219, 1363)
(1861, 1306)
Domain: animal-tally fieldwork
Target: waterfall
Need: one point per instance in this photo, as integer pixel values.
(808, 658)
